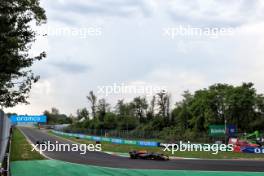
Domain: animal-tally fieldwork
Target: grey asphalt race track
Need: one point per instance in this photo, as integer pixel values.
(106, 160)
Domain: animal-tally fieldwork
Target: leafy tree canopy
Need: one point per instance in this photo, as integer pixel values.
(16, 39)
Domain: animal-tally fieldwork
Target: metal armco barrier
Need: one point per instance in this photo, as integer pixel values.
(112, 140)
(5, 126)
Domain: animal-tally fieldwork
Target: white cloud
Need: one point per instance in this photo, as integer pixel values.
(133, 50)
(177, 81)
(215, 13)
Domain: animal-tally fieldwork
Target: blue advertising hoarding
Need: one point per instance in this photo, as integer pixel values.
(112, 140)
(231, 130)
(258, 150)
(28, 118)
(148, 143)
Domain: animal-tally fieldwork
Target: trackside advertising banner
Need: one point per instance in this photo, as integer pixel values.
(28, 118)
(219, 130)
(256, 150)
(112, 140)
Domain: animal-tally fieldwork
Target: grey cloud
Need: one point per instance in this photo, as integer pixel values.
(103, 7)
(242, 13)
(71, 67)
(202, 21)
(249, 5)
(64, 19)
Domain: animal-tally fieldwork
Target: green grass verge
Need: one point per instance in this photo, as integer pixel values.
(60, 168)
(124, 148)
(21, 149)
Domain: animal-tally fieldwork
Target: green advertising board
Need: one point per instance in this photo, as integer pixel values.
(105, 139)
(217, 130)
(130, 142)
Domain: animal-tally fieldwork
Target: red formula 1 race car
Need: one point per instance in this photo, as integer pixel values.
(147, 155)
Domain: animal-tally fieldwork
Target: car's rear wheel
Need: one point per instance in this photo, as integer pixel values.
(132, 156)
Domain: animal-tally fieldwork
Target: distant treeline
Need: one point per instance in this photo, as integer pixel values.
(54, 117)
(239, 105)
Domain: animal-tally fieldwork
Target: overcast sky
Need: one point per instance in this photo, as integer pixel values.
(92, 44)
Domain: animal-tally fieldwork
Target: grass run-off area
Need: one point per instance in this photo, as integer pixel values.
(124, 148)
(21, 149)
(60, 168)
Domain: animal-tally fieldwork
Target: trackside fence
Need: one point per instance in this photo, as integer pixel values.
(5, 138)
(107, 139)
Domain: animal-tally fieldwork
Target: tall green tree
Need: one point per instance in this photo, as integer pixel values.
(163, 101)
(126, 115)
(181, 114)
(242, 103)
(54, 117)
(102, 108)
(139, 106)
(83, 113)
(16, 39)
(55, 111)
(93, 101)
(151, 109)
(110, 121)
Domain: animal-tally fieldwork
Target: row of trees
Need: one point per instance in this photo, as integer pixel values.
(239, 105)
(55, 117)
(124, 116)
